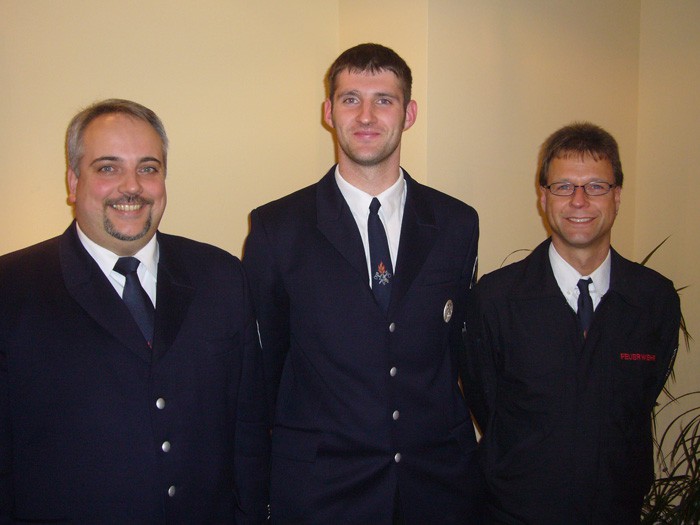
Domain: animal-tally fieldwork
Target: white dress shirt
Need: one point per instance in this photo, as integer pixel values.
(105, 259)
(567, 279)
(393, 201)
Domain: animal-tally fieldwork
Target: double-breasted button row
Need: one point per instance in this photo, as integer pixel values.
(160, 405)
(392, 372)
(165, 446)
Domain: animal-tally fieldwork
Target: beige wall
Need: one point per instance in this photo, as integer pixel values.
(240, 85)
(403, 26)
(502, 77)
(668, 159)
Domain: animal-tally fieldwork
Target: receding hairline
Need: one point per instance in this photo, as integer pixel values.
(82, 120)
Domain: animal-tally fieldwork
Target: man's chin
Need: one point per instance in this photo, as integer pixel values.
(128, 238)
(368, 161)
(127, 234)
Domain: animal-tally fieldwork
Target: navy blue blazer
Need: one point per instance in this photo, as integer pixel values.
(95, 427)
(364, 403)
(567, 420)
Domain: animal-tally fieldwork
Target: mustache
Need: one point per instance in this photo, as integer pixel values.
(129, 199)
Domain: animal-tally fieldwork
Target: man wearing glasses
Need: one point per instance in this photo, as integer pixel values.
(568, 350)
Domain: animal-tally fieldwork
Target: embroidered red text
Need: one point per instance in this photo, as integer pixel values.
(637, 357)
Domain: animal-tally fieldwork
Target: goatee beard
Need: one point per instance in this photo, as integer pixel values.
(110, 228)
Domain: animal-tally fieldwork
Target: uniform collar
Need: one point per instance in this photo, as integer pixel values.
(106, 259)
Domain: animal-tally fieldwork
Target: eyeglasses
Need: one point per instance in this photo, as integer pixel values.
(592, 189)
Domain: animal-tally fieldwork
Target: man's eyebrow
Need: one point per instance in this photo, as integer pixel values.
(378, 94)
(150, 159)
(106, 158)
(386, 95)
(353, 92)
(110, 158)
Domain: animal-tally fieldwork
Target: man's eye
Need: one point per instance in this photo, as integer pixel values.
(106, 169)
(349, 100)
(384, 101)
(596, 186)
(149, 169)
(563, 186)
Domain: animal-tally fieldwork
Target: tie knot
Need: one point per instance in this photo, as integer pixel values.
(374, 205)
(126, 265)
(583, 285)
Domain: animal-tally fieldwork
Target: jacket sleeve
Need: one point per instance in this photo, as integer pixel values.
(478, 364)
(469, 277)
(6, 494)
(252, 447)
(6, 448)
(271, 306)
(670, 318)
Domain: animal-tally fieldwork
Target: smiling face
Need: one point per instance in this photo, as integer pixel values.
(580, 224)
(368, 115)
(119, 194)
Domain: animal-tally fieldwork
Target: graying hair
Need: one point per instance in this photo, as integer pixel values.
(76, 128)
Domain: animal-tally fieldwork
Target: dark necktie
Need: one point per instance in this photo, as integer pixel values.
(380, 259)
(135, 296)
(585, 304)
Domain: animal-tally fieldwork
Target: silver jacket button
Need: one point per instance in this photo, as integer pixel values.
(447, 310)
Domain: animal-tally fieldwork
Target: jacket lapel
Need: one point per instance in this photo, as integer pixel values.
(336, 223)
(87, 284)
(539, 280)
(418, 234)
(622, 281)
(174, 293)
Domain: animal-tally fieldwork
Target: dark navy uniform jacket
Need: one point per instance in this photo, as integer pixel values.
(95, 426)
(567, 420)
(365, 402)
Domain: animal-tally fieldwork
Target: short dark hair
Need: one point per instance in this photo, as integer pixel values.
(371, 58)
(76, 128)
(580, 138)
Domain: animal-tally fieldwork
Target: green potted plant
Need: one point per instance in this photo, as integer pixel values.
(674, 497)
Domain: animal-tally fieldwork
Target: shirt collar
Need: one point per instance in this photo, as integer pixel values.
(567, 276)
(391, 199)
(106, 259)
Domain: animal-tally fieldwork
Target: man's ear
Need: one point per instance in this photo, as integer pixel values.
(543, 198)
(617, 193)
(328, 113)
(411, 114)
(72, 185)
